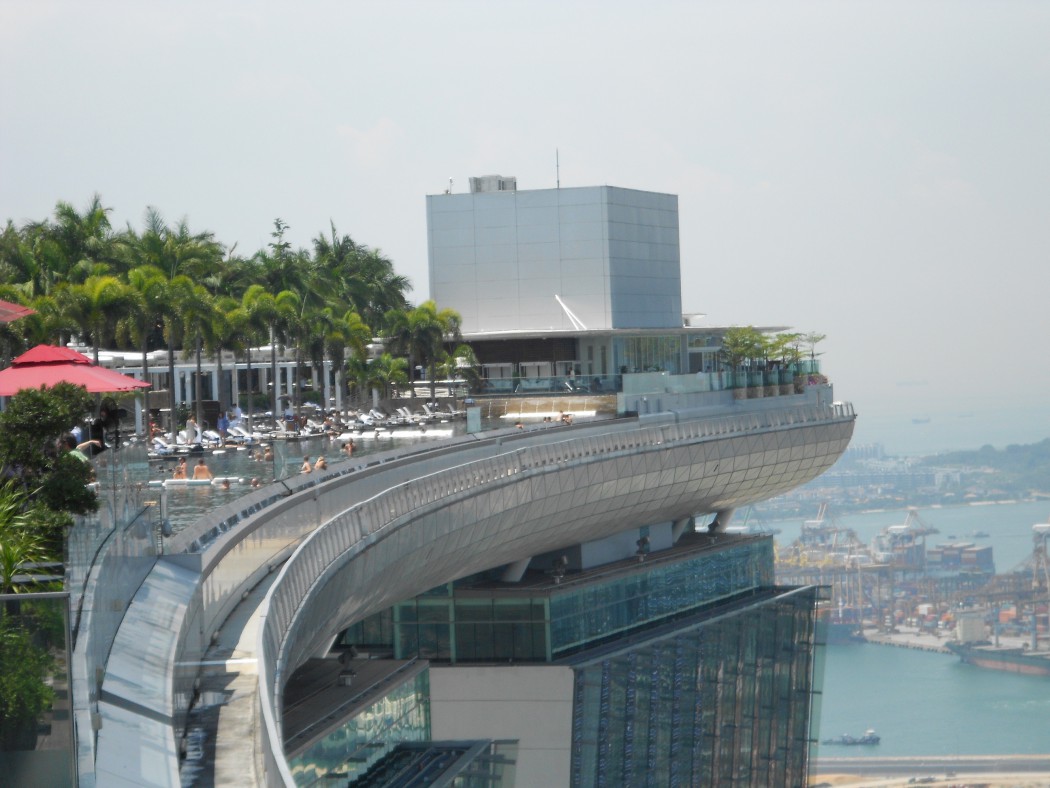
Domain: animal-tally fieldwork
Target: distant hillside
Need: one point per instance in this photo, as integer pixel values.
(1018, 466)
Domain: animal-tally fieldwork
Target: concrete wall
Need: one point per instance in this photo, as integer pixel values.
(532, 704)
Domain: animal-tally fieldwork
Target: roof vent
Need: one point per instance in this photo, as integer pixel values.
(493, 183)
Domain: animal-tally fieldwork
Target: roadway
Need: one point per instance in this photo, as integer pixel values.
(1013, 770)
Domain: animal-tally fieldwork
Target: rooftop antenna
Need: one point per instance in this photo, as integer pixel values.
(557, 168)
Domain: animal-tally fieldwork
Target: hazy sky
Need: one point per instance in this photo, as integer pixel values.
(878, 172)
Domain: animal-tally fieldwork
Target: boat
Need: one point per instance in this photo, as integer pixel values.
(869, 738)
(1011, 659)
(1028, 659)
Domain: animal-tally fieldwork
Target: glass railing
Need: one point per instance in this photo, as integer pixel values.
(289, 610)
(553, 384)
(789, 379)
(36, 711)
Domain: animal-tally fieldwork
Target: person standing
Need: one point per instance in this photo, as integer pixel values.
(223, 426)
(193, 433)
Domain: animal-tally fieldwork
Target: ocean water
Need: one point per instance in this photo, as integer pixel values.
(1008, 525)
(921, 703)
(925, 703)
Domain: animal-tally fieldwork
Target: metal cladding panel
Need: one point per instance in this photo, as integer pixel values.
(569, 502)
(623, 241)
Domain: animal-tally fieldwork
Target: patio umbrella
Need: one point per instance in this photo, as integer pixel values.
(46, 365)
(10, 312)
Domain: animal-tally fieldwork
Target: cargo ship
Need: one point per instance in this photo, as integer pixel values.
(1028, 659)
(1012, 659)
(869, 738)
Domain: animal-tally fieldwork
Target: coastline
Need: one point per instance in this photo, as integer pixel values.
(913, 638)
(906, 637)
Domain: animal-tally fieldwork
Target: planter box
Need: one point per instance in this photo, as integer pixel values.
(786, 389)
(772, 391)
(755, 392)
(740, 393)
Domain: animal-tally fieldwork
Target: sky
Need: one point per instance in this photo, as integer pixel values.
(878, 172)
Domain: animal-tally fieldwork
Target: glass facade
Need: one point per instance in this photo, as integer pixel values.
(402, 715)
(691, 670)
(724, 702)
(459, 625)
(602, 611)
(36, 715)
(648, 354)
(461, 764)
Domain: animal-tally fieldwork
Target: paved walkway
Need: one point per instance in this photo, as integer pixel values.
(222, 742)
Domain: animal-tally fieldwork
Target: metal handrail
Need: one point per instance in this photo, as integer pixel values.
(369, 518)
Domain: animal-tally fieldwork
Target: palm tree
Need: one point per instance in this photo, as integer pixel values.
(197, 312)
(274, 312)
(175, 249)
(222, 332)
(21, 266)
(178, 292)
(385, 372)
(149, 285)
(97, 306)
(460, 361)
(812, 339)
(362, 277)
(82, 242)
(181, 257)
(20, 543)
(419, 333)
(740, 344)
(331, 336)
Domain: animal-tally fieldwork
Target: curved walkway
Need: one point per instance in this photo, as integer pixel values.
(393, 531)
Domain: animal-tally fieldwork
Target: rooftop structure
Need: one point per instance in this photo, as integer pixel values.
(556, 606)
(571, 260)
(575, 290)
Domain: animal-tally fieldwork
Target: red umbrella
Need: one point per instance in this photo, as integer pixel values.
(46, 365)
(10, 312)
(51, 354)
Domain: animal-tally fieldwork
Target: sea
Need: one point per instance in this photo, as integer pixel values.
(920, 703)
(927, 703)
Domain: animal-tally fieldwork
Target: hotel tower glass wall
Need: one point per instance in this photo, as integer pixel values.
(689, 669)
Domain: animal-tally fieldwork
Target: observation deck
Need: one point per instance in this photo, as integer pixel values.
(337, 547)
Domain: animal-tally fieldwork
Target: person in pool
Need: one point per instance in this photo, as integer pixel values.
(201, 471)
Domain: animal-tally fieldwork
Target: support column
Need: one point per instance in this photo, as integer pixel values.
(139, 428)
(235, 388)
(679, 527)
(514, 572)
(339, 393)
(722, 518)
